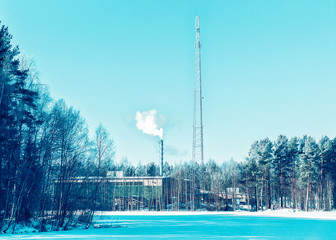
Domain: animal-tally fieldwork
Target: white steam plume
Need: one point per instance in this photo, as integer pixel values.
(146, 122)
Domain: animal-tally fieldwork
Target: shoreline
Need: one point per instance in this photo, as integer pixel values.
(286, 213)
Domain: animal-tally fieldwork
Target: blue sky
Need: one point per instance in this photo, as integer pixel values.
(268, 68)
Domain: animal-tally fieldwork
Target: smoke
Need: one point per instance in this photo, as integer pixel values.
(146, 122)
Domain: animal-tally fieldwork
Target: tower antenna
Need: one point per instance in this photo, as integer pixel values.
(197, 149)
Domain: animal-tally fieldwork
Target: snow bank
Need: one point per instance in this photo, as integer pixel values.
(267, 213)
(292, 214)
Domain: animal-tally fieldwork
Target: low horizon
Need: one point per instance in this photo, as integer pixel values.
(167, 119)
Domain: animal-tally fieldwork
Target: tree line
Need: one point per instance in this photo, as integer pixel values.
(298, 173)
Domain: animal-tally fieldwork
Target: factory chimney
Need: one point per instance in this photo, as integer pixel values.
(161, 158)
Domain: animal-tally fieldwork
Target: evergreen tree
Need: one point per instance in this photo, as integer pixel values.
(17, 125)
(293, 154)
(309, 168)
(281, 167)
(325, 149)
(332, 170)
(253, 173)
(266, 158)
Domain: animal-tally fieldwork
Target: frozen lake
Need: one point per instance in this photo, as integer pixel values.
(206, 226)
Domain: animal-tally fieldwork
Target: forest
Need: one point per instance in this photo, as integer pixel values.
(44, 141)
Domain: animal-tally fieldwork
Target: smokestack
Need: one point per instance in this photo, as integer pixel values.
(161, 158)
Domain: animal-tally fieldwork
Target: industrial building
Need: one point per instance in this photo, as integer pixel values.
(118, 192)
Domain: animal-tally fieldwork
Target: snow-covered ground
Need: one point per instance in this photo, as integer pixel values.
(288, 213)
(284, 224)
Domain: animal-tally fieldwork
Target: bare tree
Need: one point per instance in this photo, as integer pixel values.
(104, 155)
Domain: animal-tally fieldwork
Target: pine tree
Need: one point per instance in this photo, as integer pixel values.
(325, 147)
(254, 172)
(266, 157)
(293, 154)
(17, 125)
(309, 167)
(281, 166)
(332, 170)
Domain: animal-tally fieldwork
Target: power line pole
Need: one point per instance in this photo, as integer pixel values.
(197, 150)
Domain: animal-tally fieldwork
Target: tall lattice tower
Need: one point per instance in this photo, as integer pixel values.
(197, 150)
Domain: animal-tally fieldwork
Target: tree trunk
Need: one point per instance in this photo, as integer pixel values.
(261, 191)
(294, 190)
(281, 190)
(321, 200)
(307, 195)
(256, 195)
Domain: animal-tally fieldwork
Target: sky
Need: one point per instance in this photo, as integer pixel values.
(268, 68)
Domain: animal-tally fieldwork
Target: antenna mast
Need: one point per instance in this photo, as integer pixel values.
(197, 151)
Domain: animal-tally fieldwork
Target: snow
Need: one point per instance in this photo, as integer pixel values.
(287, 213)
(282, 224)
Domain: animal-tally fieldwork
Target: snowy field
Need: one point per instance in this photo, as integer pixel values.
(201, 225)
